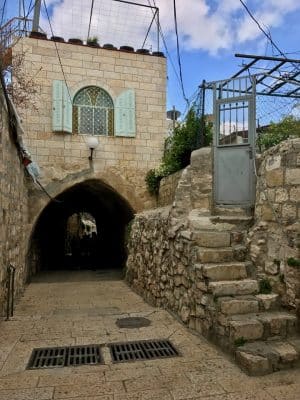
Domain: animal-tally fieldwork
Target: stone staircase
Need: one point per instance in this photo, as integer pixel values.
(262, 337)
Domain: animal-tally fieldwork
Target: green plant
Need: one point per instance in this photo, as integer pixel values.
(240, 341)
(92, 40)
(265, 286)
(152, 180)
(178, 148)
(184, 140)
(293, 262)
(277, 132)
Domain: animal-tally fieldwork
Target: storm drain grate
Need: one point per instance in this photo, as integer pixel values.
(142, 350)
(57, 357)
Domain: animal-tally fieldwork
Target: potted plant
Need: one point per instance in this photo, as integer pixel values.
(75, 41)
(92, 41)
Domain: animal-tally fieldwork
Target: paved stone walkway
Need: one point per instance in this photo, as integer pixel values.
(82, 308)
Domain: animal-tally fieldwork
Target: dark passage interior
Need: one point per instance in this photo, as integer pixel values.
(82, 228)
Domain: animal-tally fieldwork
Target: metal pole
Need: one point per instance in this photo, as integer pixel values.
(202, 114)
(158, 28)
(173, 117)
(12, 291)
(8, 285)
(36, 16)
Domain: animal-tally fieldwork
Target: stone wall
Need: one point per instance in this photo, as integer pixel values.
(275, 236)
(13, 210)
(162, 264)
(159, 266)
(167, 188)
(121, 160)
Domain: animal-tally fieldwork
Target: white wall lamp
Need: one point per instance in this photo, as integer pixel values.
(92, 142)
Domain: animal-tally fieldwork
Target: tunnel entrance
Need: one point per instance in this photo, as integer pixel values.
(84, 227)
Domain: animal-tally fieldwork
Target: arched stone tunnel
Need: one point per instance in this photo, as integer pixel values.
(111, 213)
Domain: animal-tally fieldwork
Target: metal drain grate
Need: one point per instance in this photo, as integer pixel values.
(142, 350)
(57, 357)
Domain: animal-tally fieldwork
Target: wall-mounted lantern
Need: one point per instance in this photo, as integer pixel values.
(92, 142)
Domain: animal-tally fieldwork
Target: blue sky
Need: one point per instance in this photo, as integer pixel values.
(210, 32)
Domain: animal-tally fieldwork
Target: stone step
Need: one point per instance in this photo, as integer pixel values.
(233, 211)
(268, 302)
(265, 325)
(220, 255)
(225, 271)
(238, 305)
(212, 239)
(264, 357)
(217, 223)
(233, 288)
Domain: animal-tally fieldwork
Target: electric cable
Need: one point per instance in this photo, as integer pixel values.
(3, 12)
(58, 55)
(178, 52)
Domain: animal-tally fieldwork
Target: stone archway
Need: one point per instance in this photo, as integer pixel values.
(111, 212)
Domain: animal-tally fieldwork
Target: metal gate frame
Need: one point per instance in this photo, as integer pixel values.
(235, 90)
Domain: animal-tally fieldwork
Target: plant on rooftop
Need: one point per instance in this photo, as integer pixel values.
(178, 148)
(277, 132)
(92, 41)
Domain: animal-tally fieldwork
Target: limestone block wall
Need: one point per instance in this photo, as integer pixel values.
(122, 159)
(13, 210)
(275, 236)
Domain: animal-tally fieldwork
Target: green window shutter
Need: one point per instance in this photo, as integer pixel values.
(67, 110)
(57, 99)
(125, 114)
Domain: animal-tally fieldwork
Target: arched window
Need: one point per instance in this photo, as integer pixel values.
(93, 112)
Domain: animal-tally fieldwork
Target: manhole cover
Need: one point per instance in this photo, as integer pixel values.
(142, 350)
(133, 322)
(57, 357)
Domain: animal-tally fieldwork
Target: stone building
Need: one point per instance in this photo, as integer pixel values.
(117, 96)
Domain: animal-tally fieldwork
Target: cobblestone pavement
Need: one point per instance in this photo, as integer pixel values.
(82, 308)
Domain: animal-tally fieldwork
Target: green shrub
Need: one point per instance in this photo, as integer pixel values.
(265, 286)
(293, 262)
(153, 181)
(240, 341)
(277, 132)
(184, 140)
(178, 148)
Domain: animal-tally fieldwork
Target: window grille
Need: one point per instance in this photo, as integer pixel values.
(93, 112)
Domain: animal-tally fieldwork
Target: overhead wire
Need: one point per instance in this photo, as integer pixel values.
(56, 47)
(178, 52)
(268, 35)
(3, 12)
(165, 44)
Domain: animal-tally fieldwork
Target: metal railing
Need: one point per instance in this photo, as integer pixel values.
(13, 29)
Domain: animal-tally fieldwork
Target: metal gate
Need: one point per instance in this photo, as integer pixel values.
(234, 141)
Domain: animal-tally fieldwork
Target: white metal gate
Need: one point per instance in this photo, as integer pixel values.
(234, 141)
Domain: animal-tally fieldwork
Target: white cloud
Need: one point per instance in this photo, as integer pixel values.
(203, 24)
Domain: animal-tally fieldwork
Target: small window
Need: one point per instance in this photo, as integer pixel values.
(93, 112)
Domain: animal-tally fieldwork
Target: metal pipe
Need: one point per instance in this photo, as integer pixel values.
(291, 60)
(36, 16)
(8, 294)
(12, 290)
